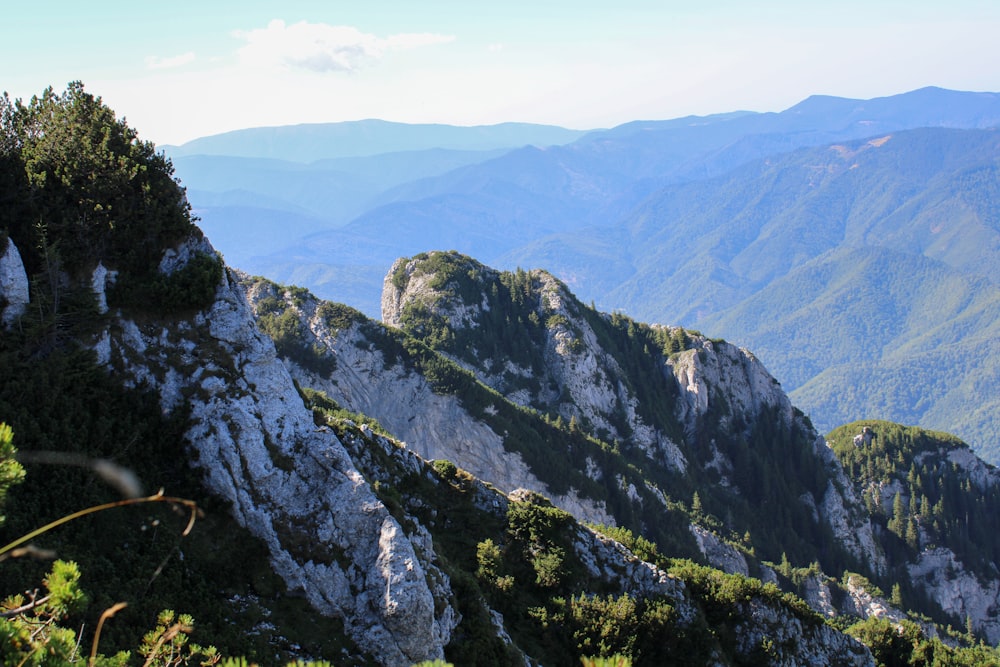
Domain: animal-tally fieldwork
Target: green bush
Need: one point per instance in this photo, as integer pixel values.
(446, 469)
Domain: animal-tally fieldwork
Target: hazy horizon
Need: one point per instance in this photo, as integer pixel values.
(183, 70)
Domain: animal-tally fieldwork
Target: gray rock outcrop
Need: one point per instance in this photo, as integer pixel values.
(719, 554)
(958, 591)
(771, 635)
(578, 377)
(14, 294)
(292, 485)
(434, 426)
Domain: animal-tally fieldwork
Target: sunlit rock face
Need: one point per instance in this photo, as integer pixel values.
(292, 485)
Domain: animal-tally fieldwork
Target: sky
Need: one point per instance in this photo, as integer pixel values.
(178, 70)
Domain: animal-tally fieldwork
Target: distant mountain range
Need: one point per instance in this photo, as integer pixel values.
(851, 244)
(322, 141)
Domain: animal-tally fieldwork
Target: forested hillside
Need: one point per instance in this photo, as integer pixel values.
(830, 223)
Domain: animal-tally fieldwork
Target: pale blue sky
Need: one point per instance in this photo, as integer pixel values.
(182, 69)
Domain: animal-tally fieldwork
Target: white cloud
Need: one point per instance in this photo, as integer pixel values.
(320, 47)
(156, 62)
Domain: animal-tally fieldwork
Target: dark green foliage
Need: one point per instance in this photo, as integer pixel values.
(506, 327)
(446, 468)
(328, 411)
(721, 593)
(533, 576)
(773, 467)
(645, 630)
(452, 273)
(29, 629)
(89, 185)
(511, 323)
(191, 287)
(724, 598)
(637, 544)
(904, 644)
(11, 472)
(77, 188)
(538, 537)
(338, 316)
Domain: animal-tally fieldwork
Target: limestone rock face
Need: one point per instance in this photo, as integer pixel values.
(99, 284)
(841, 508)
(434, 426)
(719, 554)
(575, 376)
(292, 485)
(578, 378)
(862, 603)
(958, 591)
(14, 296)
(776, 637)
(609, 560)
(816, 593)
(718, 369)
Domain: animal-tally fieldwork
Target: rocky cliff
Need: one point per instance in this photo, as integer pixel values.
(318, 499)
(932, 498)
(292, 485)
(664, 399)
(435, 425)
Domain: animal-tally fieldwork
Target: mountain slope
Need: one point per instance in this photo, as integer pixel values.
(704, 403)
(334, 190)
(871, 331)
(821, 257)
(712, 426)
(926, 490)
(359, 526)
(707, 252)
(771, 216)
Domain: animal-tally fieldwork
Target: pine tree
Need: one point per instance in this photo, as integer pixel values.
(896, 598)
(897, 524)
(785, 568)
(87, 172)
(912, 534)
(11, 472)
